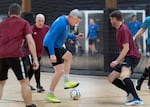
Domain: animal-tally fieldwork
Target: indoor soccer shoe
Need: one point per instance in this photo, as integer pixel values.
(32, 88)
(40, 89)
(70, 84)
(33, 105)
(51, 98)
(134, 102)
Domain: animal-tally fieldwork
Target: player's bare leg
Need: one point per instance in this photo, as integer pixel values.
(2, 83)
(26, 92)
(67, 65)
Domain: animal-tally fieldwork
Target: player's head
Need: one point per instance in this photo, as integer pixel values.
(133, 18)
(74, 17)
(92, 21)
(39, 20)
(115, 17)
(14, 9)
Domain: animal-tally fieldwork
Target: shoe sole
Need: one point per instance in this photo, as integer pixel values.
(40, 91)
(134, 104)
(52, 101)
(72, 87)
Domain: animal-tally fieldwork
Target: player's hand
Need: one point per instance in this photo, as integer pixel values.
(134, 38)
(80, 36)
(53, 59)
(97, 40)
(35, 64)
(113, 64)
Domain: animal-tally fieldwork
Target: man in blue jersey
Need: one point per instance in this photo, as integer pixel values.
(146, 73)
(60, 57)
(93, 30)
(134, 25)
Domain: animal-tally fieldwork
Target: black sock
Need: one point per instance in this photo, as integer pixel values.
(145, 74)
(148, 76)
(129, 84)
(37, 77)
(118, 83)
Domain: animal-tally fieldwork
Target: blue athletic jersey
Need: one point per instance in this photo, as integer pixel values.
(92, 31)
(57, 34)
(146, 25)
(134, 27)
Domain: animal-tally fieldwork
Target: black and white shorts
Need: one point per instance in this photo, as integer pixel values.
(129, 62)
(16, 64)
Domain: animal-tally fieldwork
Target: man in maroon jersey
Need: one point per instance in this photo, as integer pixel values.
(13, 32)
(39, 30)
(127, 60)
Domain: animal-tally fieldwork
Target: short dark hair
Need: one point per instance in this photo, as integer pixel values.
(14, 9)
(117, 14)
(133, 16)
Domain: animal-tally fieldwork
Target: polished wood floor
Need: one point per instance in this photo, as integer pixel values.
(95, 92)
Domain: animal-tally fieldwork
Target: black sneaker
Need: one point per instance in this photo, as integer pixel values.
(33, 105)
(40, 89)
(32, 88)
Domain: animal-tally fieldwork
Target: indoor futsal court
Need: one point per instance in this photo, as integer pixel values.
(105, 36)
(95, 92)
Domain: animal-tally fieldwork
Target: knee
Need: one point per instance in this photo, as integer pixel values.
(24, 83)
(122, 77)
(68, 56)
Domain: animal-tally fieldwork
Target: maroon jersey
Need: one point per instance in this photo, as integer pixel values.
(13, 31)
(124, 36)
(38, 36)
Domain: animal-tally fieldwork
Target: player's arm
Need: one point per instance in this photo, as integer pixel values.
(32, 48)
(139, 33)
(52, 35)
(142, 29)
(74, 37)
(121, 56)
(123, 53)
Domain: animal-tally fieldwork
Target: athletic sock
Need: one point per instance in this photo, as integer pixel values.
(118, 83)
(50, 92)
(148, 76)
(144, 76)
(66, 77)
(130, 86)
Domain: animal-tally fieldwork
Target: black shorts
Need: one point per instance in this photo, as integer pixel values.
(129, 62)
(59, 52)
(29, 60)
(16, 64)
(92, 41)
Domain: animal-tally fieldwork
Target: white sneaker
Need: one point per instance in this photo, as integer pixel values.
(134, 102)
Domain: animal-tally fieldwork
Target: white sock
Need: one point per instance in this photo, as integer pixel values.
(50, 92)
(66, 77)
